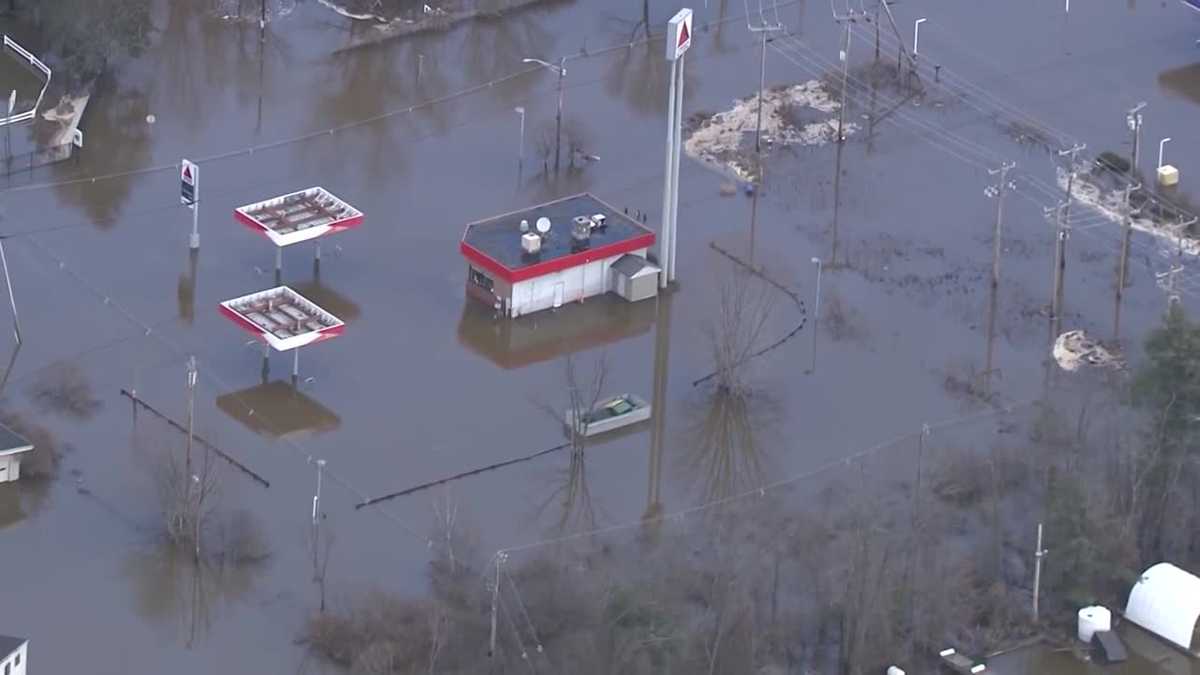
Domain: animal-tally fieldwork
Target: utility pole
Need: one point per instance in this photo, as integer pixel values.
(1133, 119)
(196, 515)
(877, 8)
(816, 316)
(762, 30)
(1064, 216)
(316, 509)
(191, 414)
(1127, 226)
(762, 80)
(561, 69)
(844, 55)
(1038, 554)
(1169, 285)
(916, 515)
(1123, 262)
(499, 560)
(316, 523)
(998, 192)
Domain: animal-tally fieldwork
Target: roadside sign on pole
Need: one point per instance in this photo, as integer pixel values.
(679, 34)
(189, 183)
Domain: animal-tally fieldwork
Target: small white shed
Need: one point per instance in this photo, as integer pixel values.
(634, 277)
(1166, 602)
(12, 446)
(14, 652)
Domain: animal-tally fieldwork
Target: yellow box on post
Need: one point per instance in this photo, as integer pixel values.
(1168, 175)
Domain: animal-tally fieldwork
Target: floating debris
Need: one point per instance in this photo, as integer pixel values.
(1074, 349)
(1111, 205)
(795, 115)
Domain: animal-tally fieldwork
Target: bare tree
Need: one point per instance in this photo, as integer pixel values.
(744, 305)
(64, 389)
(187, 501)
(582, 398)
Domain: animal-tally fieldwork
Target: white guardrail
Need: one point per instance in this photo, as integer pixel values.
(36, 63)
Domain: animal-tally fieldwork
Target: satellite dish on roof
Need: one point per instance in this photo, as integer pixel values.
(543, 225)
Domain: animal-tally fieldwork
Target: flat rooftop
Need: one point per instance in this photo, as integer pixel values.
(12, 443)
(495, 243)
(282, 317)
(10, 644)
(299, 216)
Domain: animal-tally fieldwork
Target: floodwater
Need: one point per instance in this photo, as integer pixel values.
(423, 386)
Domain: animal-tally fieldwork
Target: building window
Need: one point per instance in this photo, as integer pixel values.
(17, 661)
(8, 668)
(480, 279)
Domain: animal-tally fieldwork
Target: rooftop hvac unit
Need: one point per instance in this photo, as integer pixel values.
(531, 243)
(582, 229)
(524, 226)
(599, 221)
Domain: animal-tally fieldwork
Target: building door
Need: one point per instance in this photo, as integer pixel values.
(559, 288)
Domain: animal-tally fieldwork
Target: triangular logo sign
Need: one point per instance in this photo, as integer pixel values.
(187, 173)
(684, 36)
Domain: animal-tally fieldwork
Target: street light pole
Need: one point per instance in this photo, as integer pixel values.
(917, 34)
(1162, 143)
(521, 148)
(561, 69)
(562, 72)
(816, 316)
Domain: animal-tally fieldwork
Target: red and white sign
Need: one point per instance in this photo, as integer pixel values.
(189, 182)
(679, 34)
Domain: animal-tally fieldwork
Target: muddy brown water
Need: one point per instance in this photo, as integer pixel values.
(414, 398)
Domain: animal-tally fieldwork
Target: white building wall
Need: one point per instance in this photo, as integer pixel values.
(16, 662)
(584, 281)
(10, 470)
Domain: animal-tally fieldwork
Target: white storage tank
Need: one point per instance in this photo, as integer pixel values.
(1092, 619)
(893, 670)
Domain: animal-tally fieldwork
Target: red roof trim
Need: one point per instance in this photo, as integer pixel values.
(513, 276)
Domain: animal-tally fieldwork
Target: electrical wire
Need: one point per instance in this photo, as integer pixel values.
(774, 485)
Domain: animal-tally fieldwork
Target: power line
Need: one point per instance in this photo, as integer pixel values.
(946, 141)
(403, 110)
(763, 489)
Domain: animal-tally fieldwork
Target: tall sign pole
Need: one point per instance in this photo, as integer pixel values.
(679, 39)
(189, 196)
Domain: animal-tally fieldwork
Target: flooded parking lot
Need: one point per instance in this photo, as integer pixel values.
(420, 134)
